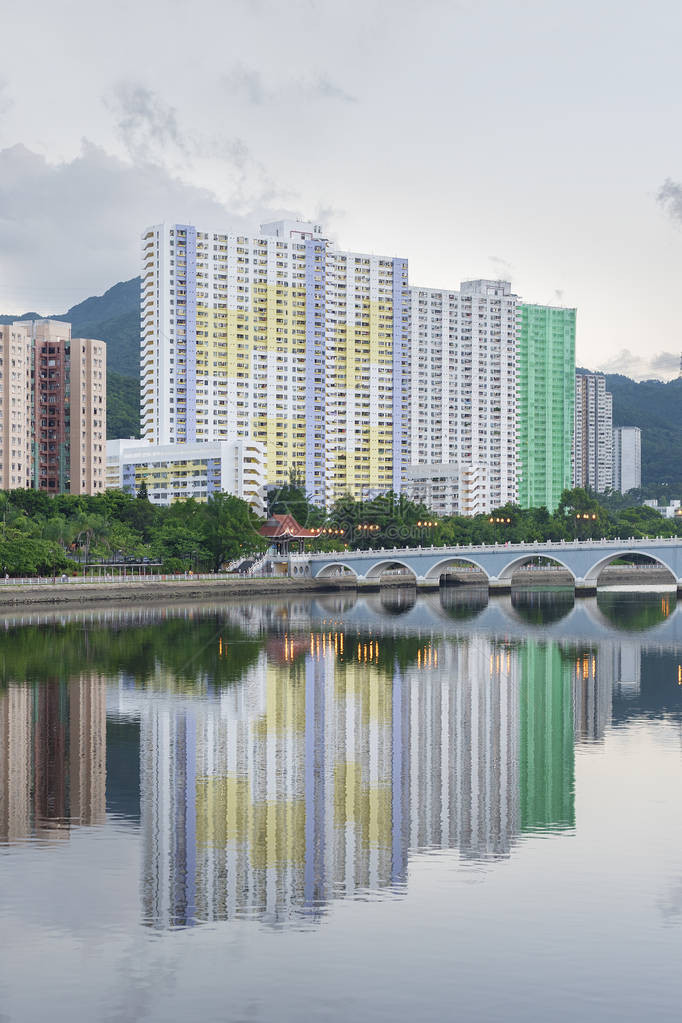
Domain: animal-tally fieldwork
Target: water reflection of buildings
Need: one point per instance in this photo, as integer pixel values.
(52, 757)
(278, 795)
(600, 673)
(463, 750)
(314, 777)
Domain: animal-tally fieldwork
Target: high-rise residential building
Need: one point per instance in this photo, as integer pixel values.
(88, 415)
(283, 338)
(462, 437)
(546, 402)
(69, 390)
(15, 407)
(172, 472)
(593, 438)
(53, 395)
(627, 458)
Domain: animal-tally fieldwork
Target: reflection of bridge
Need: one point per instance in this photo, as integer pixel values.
(450, 612)
(445, 615)
(584, 559)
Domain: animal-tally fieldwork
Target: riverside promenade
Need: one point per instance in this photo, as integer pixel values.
(75, 591)
(149, 589)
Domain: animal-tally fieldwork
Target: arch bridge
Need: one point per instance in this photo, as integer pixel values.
(584, 559)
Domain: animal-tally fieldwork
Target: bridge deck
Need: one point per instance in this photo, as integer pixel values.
(584, 559)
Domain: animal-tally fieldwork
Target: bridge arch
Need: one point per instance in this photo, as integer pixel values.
(452, 562)
(380, 568)
(336, 568)
(523, 559)
(592, 575)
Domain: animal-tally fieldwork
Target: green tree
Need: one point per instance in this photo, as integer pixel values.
(229, 529)
(291, 499)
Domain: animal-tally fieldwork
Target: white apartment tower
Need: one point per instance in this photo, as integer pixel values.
(627, 458)
(593, 437)
(282, 338)
(463, 433)
(16, 407)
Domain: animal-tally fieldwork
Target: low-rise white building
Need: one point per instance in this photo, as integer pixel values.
(668, 511)
(173, 472)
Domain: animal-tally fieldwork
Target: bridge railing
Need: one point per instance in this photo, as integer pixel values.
(459, 550)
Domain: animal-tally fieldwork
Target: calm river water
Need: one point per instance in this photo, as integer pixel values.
(344, 809)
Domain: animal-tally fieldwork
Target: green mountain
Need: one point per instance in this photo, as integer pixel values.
(123, 406)
(113, 317)
(655, 407)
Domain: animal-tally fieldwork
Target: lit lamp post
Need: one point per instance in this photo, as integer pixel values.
(499, 520)
(331, 532)
(424, 525)
(367, 530)
(581, 519)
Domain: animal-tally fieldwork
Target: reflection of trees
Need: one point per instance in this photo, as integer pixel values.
(542, 607)
(397, 600)
(636, 611)
(463, 604)
(383, 652)
(184, 648)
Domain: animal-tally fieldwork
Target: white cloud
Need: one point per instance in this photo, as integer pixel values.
(71, 229)
(670, 198)
(5, 107)
(463, 141)
(662, 366)
(145, 123)
(152, 131)
(253, 86)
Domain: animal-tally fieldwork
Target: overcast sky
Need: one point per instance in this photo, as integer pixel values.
(536, 141)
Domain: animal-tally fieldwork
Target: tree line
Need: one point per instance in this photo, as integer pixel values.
(42, 534)
(392, 520)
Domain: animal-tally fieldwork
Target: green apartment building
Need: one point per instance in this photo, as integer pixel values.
(546, 403)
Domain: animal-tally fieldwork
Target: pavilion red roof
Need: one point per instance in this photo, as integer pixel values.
(285, 526)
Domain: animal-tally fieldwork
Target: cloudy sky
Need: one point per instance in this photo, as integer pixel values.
(536, 141)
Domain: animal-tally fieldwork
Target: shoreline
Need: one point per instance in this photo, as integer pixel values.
(153, 592)
(181, 590)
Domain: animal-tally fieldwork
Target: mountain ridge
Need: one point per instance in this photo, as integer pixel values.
(114, 317)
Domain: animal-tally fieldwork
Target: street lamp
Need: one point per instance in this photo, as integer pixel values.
(582, 517)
